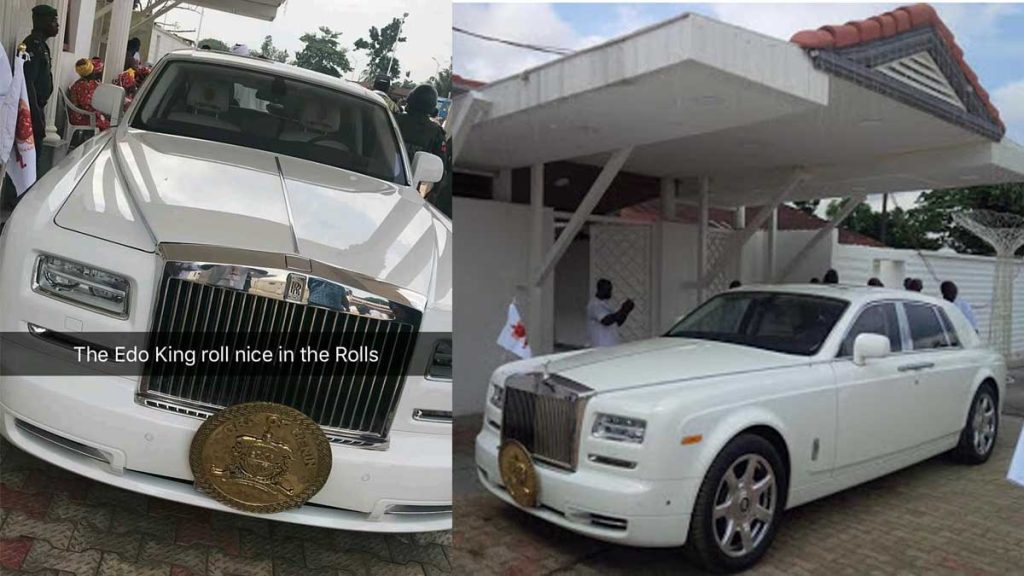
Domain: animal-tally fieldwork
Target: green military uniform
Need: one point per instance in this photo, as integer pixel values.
(421, 134)
(38, 74)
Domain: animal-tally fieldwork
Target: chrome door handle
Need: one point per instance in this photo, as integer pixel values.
(916, 366)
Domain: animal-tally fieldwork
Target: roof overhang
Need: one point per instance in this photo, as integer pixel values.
(260, 9)
(698, 97)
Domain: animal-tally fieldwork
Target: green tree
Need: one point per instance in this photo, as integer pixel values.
(322, 53)
(270, 52)
(214, 44)
(381, 47)
(928, 225)
(443, 82)
(936, 210)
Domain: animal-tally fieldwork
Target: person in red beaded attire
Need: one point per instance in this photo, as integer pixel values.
(80, 93)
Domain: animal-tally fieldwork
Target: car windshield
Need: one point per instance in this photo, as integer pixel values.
(259, 109)
(788, 323)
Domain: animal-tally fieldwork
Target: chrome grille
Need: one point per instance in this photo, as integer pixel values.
(544, 414)
(353, 408)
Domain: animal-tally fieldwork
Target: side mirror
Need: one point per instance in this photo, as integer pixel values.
(109, 99)
(869, 346)
(425, 168)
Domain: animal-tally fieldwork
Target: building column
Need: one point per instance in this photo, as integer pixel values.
(117, 40)
(535, 314)
(739, 218)
(502, 191)
(668, 199)
(702, 236)
(52, 138)
(769, 247)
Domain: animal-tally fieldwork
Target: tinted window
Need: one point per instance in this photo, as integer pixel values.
(925, 329)
(877, 319)
(790, 323)
(262, 110)
(950, 331)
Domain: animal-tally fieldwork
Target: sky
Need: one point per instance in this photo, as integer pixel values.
(991, 35)
(427, 29)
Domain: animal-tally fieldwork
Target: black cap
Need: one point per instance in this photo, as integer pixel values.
(44, 12)
(422, 99)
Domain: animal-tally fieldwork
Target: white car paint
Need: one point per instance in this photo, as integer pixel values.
(865, 421)
(114, 199)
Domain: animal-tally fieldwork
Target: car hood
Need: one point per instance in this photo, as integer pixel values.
(145, 186)
(657, 361)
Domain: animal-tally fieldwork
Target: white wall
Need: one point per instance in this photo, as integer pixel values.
(572, 292)
(161, 43)
(812, 265)
(973, 276)
(492, 267)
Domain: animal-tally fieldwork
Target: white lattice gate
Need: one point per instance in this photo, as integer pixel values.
(623, 254)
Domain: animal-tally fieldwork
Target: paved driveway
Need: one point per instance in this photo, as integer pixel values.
(54, 523)
(934, 518)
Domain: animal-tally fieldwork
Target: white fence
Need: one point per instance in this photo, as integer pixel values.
(973, 275)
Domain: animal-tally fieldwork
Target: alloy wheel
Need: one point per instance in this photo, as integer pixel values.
(744, 506)
(983, 426)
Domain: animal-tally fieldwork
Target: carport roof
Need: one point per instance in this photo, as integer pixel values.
(260, 9)
(697, 97)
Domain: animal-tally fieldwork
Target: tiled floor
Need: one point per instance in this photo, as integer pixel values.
(54, 522)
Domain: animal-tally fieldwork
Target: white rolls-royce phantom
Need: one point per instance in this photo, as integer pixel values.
(237, 190)
(761, 399)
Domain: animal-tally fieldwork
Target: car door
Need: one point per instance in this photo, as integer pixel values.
(942, 372)
(873, 399)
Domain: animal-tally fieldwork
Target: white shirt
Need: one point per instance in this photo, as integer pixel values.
(601, 335)
(968, 312)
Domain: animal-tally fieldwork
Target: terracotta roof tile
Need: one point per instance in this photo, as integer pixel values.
(890, 24)
(467, 83)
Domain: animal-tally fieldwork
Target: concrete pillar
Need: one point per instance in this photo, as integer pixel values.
(739, 218)
(503, 185)
(703, 214)
(770, 247)
(668, 199)
(56, 52)
(535, 316)
(117, 39)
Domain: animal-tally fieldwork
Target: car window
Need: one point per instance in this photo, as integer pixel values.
(789, 323)
(259, 109)
(954, 340)
(925, 328)
(875, 319)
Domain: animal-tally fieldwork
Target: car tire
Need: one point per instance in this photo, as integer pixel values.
(978, 438)
(739, 506)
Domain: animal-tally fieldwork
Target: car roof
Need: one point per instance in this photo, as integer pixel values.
(280, 68)
(853, 293)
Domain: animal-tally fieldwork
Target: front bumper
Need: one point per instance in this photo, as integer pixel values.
(602, 504)
(406, 488)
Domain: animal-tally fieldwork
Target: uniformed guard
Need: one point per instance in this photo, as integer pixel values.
(38, 75)
(421, 134)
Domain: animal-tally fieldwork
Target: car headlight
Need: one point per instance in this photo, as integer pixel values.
(497, 396)
(619, 428)
(82, 285)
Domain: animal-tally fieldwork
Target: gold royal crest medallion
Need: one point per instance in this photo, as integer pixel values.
(518, 473)
(260, 457)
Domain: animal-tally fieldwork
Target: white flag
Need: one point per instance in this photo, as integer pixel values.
(21, 166)
(1016, 473)
(513, 334)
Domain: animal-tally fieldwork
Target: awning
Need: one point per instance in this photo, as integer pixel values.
(261, 9)
(698, 97)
